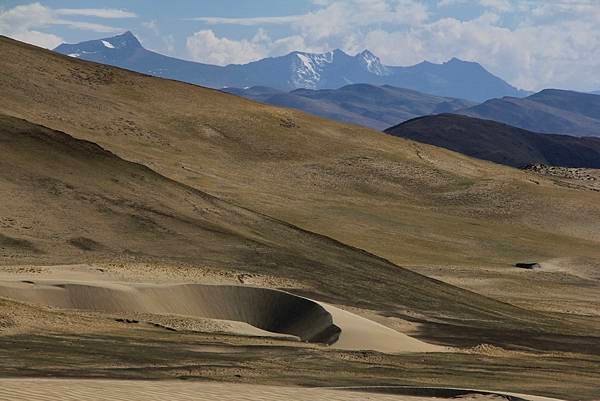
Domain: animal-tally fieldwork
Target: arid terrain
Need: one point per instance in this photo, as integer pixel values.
(147, 224)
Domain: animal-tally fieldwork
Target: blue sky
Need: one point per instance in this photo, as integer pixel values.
(531, 43)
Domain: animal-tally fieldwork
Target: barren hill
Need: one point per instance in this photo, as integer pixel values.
(388, 195)
(67, 200)
(410, 203)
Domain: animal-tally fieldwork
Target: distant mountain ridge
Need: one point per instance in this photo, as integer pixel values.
(548, 111)
(331, 70)
(500, 143)
(372, 106)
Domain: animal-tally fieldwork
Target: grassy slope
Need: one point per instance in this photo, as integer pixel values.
(67, 200)
(408, 202)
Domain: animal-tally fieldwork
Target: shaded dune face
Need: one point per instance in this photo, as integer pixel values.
(266, 309)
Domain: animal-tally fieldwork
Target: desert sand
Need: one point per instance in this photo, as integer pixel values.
(262, 311)
(89, 390)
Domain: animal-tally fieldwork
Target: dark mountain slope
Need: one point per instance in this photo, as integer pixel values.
(549, 111)
(329, 70)
(500, 143)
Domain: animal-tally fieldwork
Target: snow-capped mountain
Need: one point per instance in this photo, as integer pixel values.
(372, 63)
(331, 70)
(108, 50)
(307, 68)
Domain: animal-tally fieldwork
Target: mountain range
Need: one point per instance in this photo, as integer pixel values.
(548, 111)
(331, 70)
(500, 143)
(377, 107)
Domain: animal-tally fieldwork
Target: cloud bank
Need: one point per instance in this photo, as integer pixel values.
(532, 44)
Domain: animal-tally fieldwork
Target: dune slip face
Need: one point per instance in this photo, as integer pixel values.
(266, 309)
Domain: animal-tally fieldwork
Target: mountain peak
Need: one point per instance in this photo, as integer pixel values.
(339, 52)
(366, 54)
(103, 50)
(456, 60)
(126, 39)
(372, 63)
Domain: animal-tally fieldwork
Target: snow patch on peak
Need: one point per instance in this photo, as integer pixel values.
(107, 44)
(308, 68)
(306, 72)
(306, 62)
(372, 63)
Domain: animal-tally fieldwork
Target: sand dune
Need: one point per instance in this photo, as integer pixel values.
(266, 309)
(361, 333)
(89, 390)
(270, 310)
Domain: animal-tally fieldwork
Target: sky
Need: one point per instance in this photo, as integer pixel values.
(533, 44)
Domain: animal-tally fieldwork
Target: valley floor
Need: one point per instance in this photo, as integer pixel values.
(37, 343)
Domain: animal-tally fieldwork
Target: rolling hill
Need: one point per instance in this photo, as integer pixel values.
(376, 107)
(96, 205)
(331, 70)
(500, 143)
(410, 203)
(549, 111)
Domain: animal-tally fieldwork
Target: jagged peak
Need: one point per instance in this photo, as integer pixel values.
(366, 53)
(126, 39)
(372, 62)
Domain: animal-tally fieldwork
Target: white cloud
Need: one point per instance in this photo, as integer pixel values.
(249, 21)
(497, 5)
(339, 16)
(96, 12)
(205, 46)
(86, 26)
(25, 22)
(151, 25)
(446, 3)
(548, 44)
(46, 40)
(162, 43)
(569, 56)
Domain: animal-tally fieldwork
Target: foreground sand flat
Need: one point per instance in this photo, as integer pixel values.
(88, 390)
